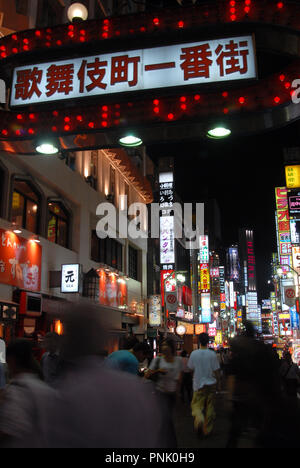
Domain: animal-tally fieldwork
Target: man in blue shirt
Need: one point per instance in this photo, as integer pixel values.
(128, 360)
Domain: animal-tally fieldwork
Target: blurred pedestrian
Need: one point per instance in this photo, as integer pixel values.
(2, 351)
(166, 372)
(22, 407)
(51, 361)
(290, 375)
(97, 407)
(206, 380)
(187, 379)
(168, 369)
(254, 388)
(128, 360)
(2, 376)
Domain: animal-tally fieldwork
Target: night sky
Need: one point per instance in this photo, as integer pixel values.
(241, 173)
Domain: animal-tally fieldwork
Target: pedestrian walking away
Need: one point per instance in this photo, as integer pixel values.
(187, 379)
(51, 361)
(206, 380)
(23, 419)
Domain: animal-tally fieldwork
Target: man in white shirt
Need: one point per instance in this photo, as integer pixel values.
(205, 365)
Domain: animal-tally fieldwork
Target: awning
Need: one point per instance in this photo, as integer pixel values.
(11, 303)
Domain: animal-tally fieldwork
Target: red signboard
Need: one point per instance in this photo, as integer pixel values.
(20, 262)
(187, 298)
(112, 292)
(167, 282)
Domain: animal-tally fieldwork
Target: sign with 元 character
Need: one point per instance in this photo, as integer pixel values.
(70, 277)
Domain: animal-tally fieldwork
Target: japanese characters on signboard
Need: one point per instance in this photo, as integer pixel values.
(167, 235)
(112, 293)
(294, 214)
(188, 327)
(167, 241)
(167, 283)
(234, 267)
(20, 262)
(283, 226)
(251, 263)
(205, 308)
(155, 311)
(166, 190)
(70, 276)
(200, 328)
(204, 249)
(204, 278)
(222, 288)
(292, 176)
(160, 67)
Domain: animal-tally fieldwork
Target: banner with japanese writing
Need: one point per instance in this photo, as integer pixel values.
(283, 225)
(160, 67)
(20, 262)
(112, 293)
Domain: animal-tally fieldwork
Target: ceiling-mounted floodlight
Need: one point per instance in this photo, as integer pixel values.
(46, 145)
(219, 132)
(130, 141)
(77, 12)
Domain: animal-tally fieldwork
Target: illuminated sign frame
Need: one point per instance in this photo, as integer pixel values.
(136, 70)
(70, 278)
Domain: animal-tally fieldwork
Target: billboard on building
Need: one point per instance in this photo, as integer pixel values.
(155, 316)
(251, 262)
(292, 176)
(234, 267)
(20, 262)
(205, 308)
(283, 228)
(134, 70)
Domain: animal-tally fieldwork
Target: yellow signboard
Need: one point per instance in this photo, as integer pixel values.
(219, 337)
(292, 175)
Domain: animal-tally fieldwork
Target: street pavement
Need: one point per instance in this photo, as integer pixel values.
(188, 438)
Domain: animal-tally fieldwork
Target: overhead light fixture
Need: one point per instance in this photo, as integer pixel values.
(16, 229)
(77, 12)
(46, 145)
(219, 132)
(36, 239)
(130, 141)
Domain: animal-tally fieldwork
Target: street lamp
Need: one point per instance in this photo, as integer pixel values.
(77, 12)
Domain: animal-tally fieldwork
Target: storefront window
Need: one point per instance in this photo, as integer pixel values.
(133, 263)
(58, 224)
(25, 206)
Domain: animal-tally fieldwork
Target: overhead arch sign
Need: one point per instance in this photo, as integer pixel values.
(136, 70)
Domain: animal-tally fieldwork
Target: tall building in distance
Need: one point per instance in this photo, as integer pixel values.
(248, 277)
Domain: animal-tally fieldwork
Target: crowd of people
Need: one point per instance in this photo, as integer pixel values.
(78, 397)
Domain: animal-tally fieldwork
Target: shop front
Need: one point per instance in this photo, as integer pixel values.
(20, 285)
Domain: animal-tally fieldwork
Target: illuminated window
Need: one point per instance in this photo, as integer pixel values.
(25, 206)
(58, 224)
